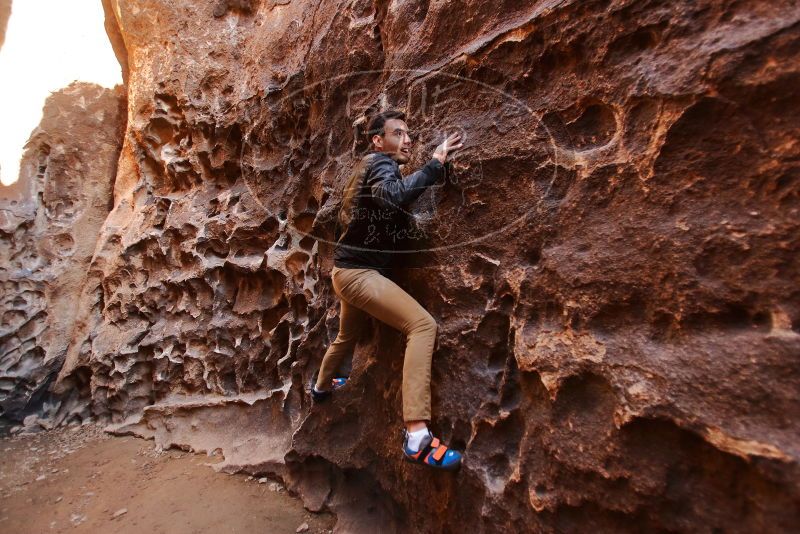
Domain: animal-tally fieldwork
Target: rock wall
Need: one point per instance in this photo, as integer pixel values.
(611, 261)
(50, 220)
(5, 12)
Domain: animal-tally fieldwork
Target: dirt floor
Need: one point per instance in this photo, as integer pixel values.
(80, 479)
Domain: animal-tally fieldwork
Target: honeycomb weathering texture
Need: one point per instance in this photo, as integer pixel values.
(612, 260)
(50, 221)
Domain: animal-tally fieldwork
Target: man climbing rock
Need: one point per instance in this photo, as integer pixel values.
(373, 217)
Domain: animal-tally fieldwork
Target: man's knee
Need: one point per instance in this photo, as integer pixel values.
(426, 323)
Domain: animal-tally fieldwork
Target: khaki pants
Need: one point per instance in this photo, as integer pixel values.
(366, 291)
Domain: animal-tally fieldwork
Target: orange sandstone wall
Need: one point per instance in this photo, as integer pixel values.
(612, 260)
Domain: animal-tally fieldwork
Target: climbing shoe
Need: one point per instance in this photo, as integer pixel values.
(432, 453)
(320, 396)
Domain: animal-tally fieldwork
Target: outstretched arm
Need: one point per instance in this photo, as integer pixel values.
(390, 190)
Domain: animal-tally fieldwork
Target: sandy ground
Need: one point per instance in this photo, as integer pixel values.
(80, 479)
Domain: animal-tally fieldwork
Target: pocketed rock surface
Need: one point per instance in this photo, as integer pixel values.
(612, 260)
(50, 222)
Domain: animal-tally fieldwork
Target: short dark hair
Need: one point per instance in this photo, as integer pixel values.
(377, 122)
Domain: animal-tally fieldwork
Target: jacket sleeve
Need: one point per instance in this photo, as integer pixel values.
(389, 189)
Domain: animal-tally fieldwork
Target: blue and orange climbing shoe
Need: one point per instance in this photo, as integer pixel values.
(320, 396)
(432, 453)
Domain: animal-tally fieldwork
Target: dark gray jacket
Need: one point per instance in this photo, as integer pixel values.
(381, 227)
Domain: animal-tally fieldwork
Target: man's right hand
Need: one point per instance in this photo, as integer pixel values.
(453, 142)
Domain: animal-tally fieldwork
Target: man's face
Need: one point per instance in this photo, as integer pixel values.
(395, 141)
